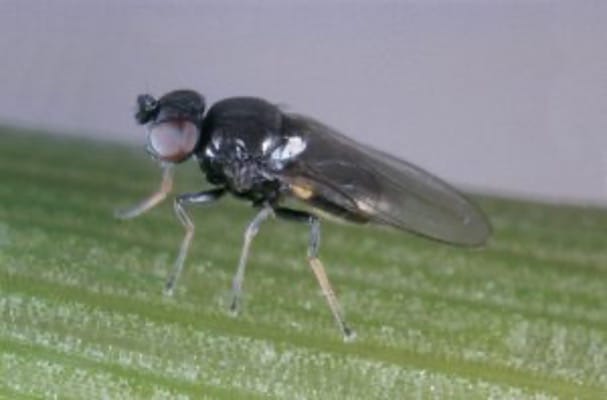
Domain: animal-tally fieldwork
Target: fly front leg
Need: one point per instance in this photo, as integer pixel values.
(153, 200)
(180, 203)
(250, 233)
(317, 267)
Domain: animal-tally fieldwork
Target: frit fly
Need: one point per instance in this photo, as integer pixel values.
(257, 152)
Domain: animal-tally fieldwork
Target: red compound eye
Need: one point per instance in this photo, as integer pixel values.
(173, 140)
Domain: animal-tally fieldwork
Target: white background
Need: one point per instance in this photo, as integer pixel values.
(498, 96)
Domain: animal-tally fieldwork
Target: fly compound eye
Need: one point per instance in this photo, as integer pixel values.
(173, 140)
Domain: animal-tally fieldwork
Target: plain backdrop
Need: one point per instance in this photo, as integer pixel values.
(499, 96)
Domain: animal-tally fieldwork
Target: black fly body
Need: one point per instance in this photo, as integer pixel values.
(250, 148)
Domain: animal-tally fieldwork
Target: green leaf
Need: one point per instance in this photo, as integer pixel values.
(83, 314)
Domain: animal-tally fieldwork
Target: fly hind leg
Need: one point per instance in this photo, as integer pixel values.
(317, 267)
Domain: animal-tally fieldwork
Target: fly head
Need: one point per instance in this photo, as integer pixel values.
(173, 123)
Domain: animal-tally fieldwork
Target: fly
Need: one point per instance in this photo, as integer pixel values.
(252, 149)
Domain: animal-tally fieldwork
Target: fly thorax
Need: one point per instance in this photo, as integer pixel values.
(281, 152)
(242, 175)
(232, 159)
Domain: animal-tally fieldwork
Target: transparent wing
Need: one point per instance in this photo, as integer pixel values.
(378, 187)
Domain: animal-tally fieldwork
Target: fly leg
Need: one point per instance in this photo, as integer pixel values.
(153, 200)
(250, 233)
(317, 267)
(180, 202)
